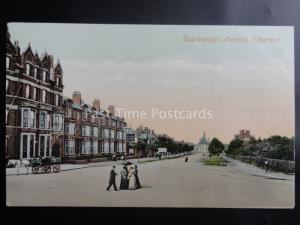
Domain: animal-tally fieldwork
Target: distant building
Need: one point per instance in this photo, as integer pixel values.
(244, 135)
(90, 132)
(202, 145)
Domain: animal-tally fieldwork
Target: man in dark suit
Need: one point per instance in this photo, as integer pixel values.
(112, 179)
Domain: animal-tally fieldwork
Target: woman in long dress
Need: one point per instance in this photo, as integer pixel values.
(123, 184)
(138, 184)
(131, 178)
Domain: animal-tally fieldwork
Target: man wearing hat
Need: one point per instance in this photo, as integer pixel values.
(112, 179)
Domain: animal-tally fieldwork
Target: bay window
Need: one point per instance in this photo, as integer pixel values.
(69, 147)
(58, 123)
(94, 148)
(86, 147)
(28, 118)
(43, 120)
(70, 128)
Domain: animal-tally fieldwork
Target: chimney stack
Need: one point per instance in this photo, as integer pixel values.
(111, 109)
(96, 104)
(76, 97)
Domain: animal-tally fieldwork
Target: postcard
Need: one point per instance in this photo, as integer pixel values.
(120, 115)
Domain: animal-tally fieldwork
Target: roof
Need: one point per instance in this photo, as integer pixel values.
(76, 106)
(129, 130)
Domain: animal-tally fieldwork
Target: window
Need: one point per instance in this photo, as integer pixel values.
(105, 133)
(70, 128)
(27, 146)
(32, 118)
(86, 147)
(44, 145)
(6, 118)
(95, 131)
(94, 147)
(34, 93)
(27, 69)
(27, 91)
(83, 130)
(88, 131)
(28, 118)
(35, 72)
(56, 100)
(7, 62)
(43, 120)
(25, 117)
(69, 147)
(57, 81)
(48, 121)
(44, 96)
(7, 84)
(112, 134)
(44, 75)
(58, 124)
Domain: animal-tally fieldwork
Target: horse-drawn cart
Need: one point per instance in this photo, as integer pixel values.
(45, 165)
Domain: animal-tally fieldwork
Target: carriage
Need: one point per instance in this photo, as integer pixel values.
(45, 165)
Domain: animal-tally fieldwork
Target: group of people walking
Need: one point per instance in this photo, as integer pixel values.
(129, 178)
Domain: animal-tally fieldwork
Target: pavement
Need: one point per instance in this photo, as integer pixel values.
(166, 183)
(66, 166)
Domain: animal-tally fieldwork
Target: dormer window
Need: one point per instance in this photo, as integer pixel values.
(57, 81)
(27, 69)
(7, 62)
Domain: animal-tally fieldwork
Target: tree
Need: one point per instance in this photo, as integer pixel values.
(215, 147)
(234, 147)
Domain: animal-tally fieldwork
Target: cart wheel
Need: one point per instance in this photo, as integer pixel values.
(35, 169)
(56, 168)
(46, 169)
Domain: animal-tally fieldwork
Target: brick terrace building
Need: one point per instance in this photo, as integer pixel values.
(91, 132)
(34, 113)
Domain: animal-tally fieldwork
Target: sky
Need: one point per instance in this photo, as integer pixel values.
(245, 85)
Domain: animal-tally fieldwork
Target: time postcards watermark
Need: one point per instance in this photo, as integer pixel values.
(156, 113)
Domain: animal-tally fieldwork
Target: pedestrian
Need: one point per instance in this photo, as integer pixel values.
(112, 179)
(131, 179)
(138, 184)
(123, 184)
(18, 166)
(266, 166)
(186, 159)
(122, 158)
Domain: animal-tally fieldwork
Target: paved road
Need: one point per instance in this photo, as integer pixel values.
(167, 183)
